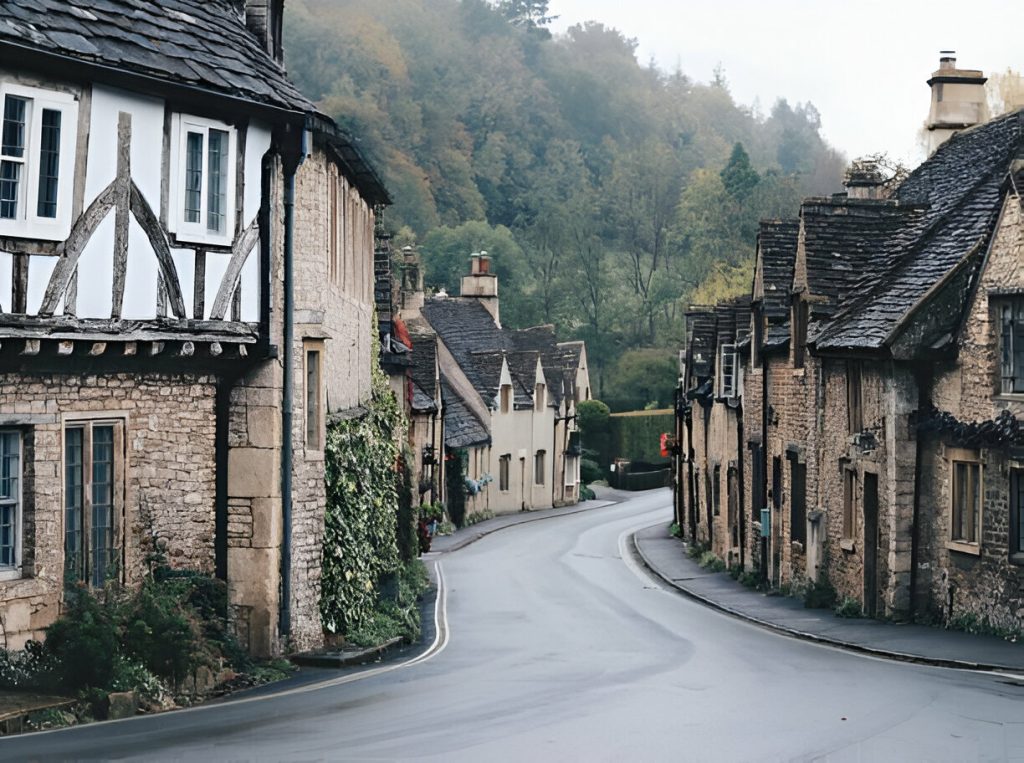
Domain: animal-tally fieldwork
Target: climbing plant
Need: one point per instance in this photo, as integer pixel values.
(455, 481)
(362, 474)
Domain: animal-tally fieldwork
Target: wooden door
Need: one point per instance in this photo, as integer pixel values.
(870, 544)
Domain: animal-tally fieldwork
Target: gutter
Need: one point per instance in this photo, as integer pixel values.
(291, 168)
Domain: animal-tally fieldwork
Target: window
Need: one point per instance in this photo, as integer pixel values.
(204, 197)
(503, 466)
(797, 500)
(538, 467)
(539, 398)
(800, 315)
(1017, 514)
(849, 502)
(571, 465)
(727, 371)
(93, 500)
(37, 160)
(1012, 346)
(965, 522)
(855, 418)
(314, 406)
(506, 398)
(10, 503)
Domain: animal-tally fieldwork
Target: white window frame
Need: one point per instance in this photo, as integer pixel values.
(727, 381)
(13, 572)
(28, 224)
(197, 233)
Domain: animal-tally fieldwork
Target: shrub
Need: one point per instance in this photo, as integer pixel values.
(85, 642)
(750, 579)
(820, 595)
(478, 516)
(848, 607)
(396, 612)
(590, 471)
(709, 561)
(674, 530)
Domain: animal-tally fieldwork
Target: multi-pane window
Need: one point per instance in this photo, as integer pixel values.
(205, 197)
(727, 371)
(314, 406)
(503, 468)
(37, 145)
(93, 500)
(965, 525)
(10, 501)
(538, 467)
(1011, 316)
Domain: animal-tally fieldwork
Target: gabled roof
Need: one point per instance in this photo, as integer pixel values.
(701, 352)
(553, 358)
(465, 327)
(423, 370)
(522, 364)
(960, 187)
(201, 44)
(776, 246)
(461, 427)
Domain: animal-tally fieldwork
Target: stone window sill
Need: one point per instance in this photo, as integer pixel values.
(848, 545)
(974, 549)
(9, 573)
(1017, 558)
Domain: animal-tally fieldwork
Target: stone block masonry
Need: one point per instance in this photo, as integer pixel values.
(164, 478)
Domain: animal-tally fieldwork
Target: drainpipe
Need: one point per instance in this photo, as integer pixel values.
(285, 614)
(741, 498)
(915, 526)
(765, 366)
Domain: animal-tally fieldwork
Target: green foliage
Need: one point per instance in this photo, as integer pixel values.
(432, 511)
(695, 549)
(848, 607)
(478, 516)
(162, 631)
(406, 521)
(609, 192)
(637, 435)
(590, 471)
(709, 561)
(360, 526)
(84, 643)
(675, 530)
(820, 595)
(592, 417)
(750, 579)
(969, 622)
(640, 377)
(396, 613)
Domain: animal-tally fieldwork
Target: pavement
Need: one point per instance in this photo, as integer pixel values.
(666, 557)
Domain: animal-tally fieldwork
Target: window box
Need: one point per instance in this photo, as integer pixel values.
(202, 191)
(37, 162)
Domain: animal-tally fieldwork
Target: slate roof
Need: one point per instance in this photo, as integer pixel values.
(523, 366)
(960, 187)
(465, 327)
(196, 43)
(776, 243)
(702, 342)
(541, 339)
(461, 427)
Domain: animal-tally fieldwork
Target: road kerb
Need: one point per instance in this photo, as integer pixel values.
(849, 646)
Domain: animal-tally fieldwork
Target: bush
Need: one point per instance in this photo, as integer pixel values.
(710, 562)
(750, 579)
(590, 471)
(820, 595)
(396, 612)
(675, 531)
(85, 642)
(848, 607)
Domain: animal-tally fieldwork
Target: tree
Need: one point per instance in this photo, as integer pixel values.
(738, 177)
(529, 14)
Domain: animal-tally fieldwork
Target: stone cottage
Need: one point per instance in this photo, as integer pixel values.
(186, 287)
(885, 392)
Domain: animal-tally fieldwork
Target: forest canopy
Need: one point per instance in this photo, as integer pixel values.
(611, 193)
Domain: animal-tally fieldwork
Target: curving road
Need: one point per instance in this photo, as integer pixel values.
(558, 648)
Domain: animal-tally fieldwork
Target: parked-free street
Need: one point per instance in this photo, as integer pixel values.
(560, 649)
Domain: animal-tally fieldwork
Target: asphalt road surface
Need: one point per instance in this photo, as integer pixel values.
(555, 647)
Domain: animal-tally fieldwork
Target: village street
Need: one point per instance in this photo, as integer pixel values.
(559, 649)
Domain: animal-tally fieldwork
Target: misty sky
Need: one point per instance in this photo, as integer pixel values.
(863, 64)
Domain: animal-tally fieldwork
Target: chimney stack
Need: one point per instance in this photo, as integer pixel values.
(481, 283)
(958, 100)
(411, 296)
(864, 180)
(264, 19)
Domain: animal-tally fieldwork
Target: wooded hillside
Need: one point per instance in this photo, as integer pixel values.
(611, 194)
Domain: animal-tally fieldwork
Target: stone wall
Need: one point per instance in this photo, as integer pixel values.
(168, 490)
(983, 582)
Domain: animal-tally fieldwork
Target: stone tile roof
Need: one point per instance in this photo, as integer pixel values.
(196, 43)
(466, 328)
(523, 366)
(776, 243)
(461, 427)
(701, 351)
(554, 360)
(960, 188)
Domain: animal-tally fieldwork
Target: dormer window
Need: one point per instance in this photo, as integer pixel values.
(37, 160)
(203, 196)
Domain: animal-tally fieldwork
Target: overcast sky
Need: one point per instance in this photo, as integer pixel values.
(863, 64)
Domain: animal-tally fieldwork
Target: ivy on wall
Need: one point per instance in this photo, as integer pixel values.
(360, 545)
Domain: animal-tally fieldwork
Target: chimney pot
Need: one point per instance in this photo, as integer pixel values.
(474, 263)
(947, 59)
(485, 263)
